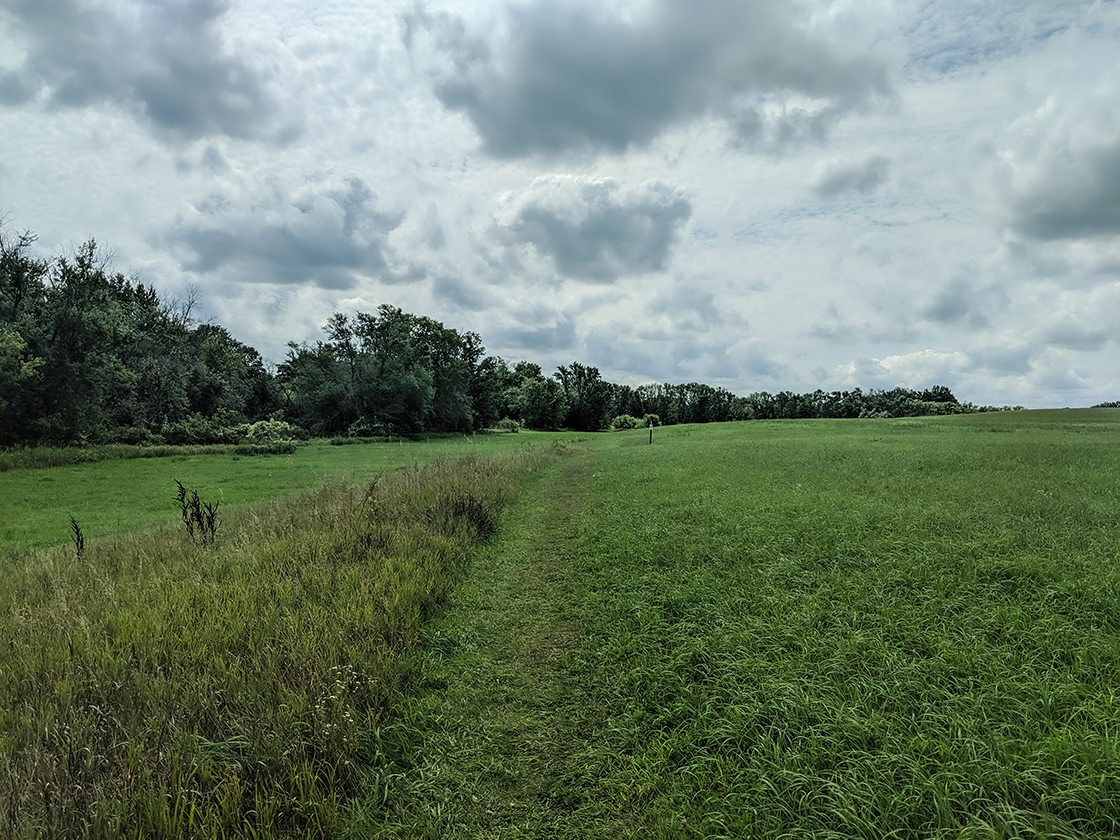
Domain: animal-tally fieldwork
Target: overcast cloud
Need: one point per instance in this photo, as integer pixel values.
(580, 76)
(164, 60)
(768, 195)
(595, 228)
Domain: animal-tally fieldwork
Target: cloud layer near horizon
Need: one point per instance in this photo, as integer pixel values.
(771, 195)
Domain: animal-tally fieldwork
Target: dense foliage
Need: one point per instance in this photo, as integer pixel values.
(88, 355)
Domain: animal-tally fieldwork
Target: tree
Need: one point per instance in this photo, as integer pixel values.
(18, 371)
(586, 395)
(540, 403)
(21, 278)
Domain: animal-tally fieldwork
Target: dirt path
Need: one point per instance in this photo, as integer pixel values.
(504, 712)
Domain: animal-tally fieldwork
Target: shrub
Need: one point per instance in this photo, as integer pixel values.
(272, 431)
(624, 421)
(508, 425)
(132, 436)
(196, 430)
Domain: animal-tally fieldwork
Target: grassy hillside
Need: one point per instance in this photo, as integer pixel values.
(767, 629)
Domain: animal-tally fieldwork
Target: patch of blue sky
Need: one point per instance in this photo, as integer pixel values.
(942, 42)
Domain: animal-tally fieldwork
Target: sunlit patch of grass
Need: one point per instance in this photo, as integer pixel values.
(160, 686)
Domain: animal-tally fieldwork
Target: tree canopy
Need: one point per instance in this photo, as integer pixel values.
(91, 355)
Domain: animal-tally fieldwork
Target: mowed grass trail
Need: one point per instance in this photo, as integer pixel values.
(905, 628)
(118, 497)
(490, 739)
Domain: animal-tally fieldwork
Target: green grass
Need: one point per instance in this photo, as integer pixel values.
(115, 497)
(830, 629)
(159, 687)
(791, 629)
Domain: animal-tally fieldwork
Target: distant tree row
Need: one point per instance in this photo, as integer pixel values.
(89, 355)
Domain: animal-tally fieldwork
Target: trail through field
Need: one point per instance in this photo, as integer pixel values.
(501, 682)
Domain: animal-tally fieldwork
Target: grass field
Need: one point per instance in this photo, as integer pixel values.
(122, 496)
(904, 628)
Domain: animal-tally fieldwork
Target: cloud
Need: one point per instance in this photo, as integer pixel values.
(1075, 334)
(956, 303)
(851, 176)
(461, 294)
(571, 76)
(946, 37)
(916, 369)
(1058, 172)
(328, 233)
(692, 309)
(164, 60)
(1073, 195)
(595, 228)
(538, 328)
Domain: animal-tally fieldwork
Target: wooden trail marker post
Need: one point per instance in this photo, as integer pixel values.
(651, 431)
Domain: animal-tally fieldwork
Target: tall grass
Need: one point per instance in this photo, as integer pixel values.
(159, 687)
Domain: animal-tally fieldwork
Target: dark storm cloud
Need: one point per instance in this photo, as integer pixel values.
(853, 177)
(571, 76)
(328, 233)
(165, 60)
(596, 228)
(1078, 196)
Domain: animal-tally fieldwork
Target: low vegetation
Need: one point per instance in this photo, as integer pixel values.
(847, 628)
(111, 497)
(228, 680)
(867, 629)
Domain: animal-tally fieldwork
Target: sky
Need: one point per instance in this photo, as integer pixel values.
(764, 196)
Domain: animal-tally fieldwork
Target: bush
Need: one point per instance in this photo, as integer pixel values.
(508, 425)
(196, 430)
(271, 431)
(624, 421)
(132, 436)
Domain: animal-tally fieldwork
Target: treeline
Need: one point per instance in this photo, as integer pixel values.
(88, 355)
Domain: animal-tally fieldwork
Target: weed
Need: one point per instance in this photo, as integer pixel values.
(200, 518)
(79, 538)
